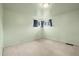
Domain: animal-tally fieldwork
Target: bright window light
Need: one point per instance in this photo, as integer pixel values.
(44, 5)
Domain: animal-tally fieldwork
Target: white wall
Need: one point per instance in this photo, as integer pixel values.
(66, 28)
(1, 30)
(18, 27)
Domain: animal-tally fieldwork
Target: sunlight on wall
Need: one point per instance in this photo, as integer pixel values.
(43, 14)
(43, 11)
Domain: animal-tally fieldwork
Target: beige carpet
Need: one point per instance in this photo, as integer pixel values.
(42, 47)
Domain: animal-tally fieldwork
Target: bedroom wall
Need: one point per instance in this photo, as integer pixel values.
(1, 30)
(18, 25)
(66, 27)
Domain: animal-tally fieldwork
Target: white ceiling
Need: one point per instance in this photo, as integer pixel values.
(57, 8)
